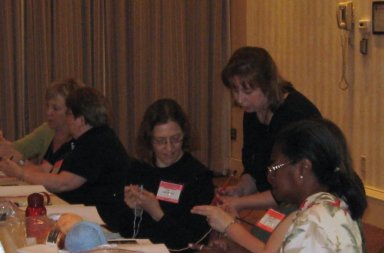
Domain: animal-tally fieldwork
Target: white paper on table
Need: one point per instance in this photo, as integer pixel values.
(20, 190)
(88, 213)
(40, 248)
(6, 180)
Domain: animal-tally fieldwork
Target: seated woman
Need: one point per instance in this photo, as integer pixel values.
(172, 181)
(91, 173)
(50, 142)
(310, 167)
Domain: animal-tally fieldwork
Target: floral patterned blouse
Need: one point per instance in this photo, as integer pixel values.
(323, 224)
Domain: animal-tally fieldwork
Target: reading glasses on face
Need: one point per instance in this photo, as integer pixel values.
(273, 168)
(162, 141)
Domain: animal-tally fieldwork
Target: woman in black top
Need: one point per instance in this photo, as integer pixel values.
(269, 103)
(166, 181)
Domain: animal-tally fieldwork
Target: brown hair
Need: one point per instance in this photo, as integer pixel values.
(89, 103)
(62, 87)
(256, 69)
(160, 112)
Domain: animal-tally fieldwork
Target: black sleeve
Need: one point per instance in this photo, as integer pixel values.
(178, 231)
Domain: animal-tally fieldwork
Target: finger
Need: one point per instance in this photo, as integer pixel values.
(6, 160)
(133, 190)
(147, 194)
(127, 191)
(221, 191)
(196, 246)
(202, 210)
(221, 244)
(219, 200)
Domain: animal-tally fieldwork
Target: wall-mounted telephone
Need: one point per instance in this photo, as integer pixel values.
(345, 15)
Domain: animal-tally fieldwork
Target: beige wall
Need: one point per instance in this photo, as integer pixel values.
(325, 64)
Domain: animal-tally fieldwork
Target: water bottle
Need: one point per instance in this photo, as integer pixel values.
(36, 219)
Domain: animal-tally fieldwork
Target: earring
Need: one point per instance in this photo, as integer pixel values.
(301, 177)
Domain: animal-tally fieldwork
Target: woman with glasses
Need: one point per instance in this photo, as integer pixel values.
(166, 181)
(310, 167)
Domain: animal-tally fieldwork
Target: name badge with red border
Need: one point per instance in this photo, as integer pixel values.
(56, 167)
(270, 220)
(169, 192)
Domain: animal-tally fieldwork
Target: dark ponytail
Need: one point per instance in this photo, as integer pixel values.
(347, 183)
(323, 143)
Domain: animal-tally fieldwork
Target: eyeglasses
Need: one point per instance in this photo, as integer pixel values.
(162, 141)
(273, 168)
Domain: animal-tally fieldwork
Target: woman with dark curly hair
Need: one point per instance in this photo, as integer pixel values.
(166, 181)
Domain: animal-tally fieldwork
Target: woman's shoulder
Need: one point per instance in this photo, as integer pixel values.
(296, 107)
(137, 163)
(99, 137)
(325, 204)
(192, 166)
(44, 129)
(192, 162)
(326, 216)
(39, 134)
(295, 97)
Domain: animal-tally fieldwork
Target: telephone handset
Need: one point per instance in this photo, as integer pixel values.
(345, 15)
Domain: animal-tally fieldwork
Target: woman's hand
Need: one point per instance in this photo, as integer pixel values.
(216, 246)
(7, 149)
(151, 205)
(131, 196)
(134, 196)
(229, 204)
(11, 169)
(217, 218)
(245, 186)
(232, 190)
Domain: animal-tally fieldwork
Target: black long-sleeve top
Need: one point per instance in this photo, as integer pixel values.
(99, 157)
(179, 226)
(258, 138)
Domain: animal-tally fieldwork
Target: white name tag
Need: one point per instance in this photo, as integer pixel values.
(270, 220)
(169, 192)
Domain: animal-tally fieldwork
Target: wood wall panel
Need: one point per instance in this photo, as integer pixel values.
(313, 53)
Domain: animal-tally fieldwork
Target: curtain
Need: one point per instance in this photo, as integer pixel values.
(133, 51)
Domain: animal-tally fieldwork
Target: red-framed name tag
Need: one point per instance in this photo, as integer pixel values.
(169, 192)
(270, 220)
(56, 167)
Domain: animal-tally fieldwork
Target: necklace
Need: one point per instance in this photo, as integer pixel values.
(265, 116)
(137, 217)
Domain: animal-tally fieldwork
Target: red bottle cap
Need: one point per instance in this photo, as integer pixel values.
(35, 200)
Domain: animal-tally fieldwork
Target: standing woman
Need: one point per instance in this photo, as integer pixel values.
(50, 142)
(172, 181)
(269, 104)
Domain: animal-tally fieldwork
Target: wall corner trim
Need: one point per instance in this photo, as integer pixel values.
(374, 192)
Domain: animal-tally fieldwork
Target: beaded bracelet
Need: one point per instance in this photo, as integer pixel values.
(227, 227)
